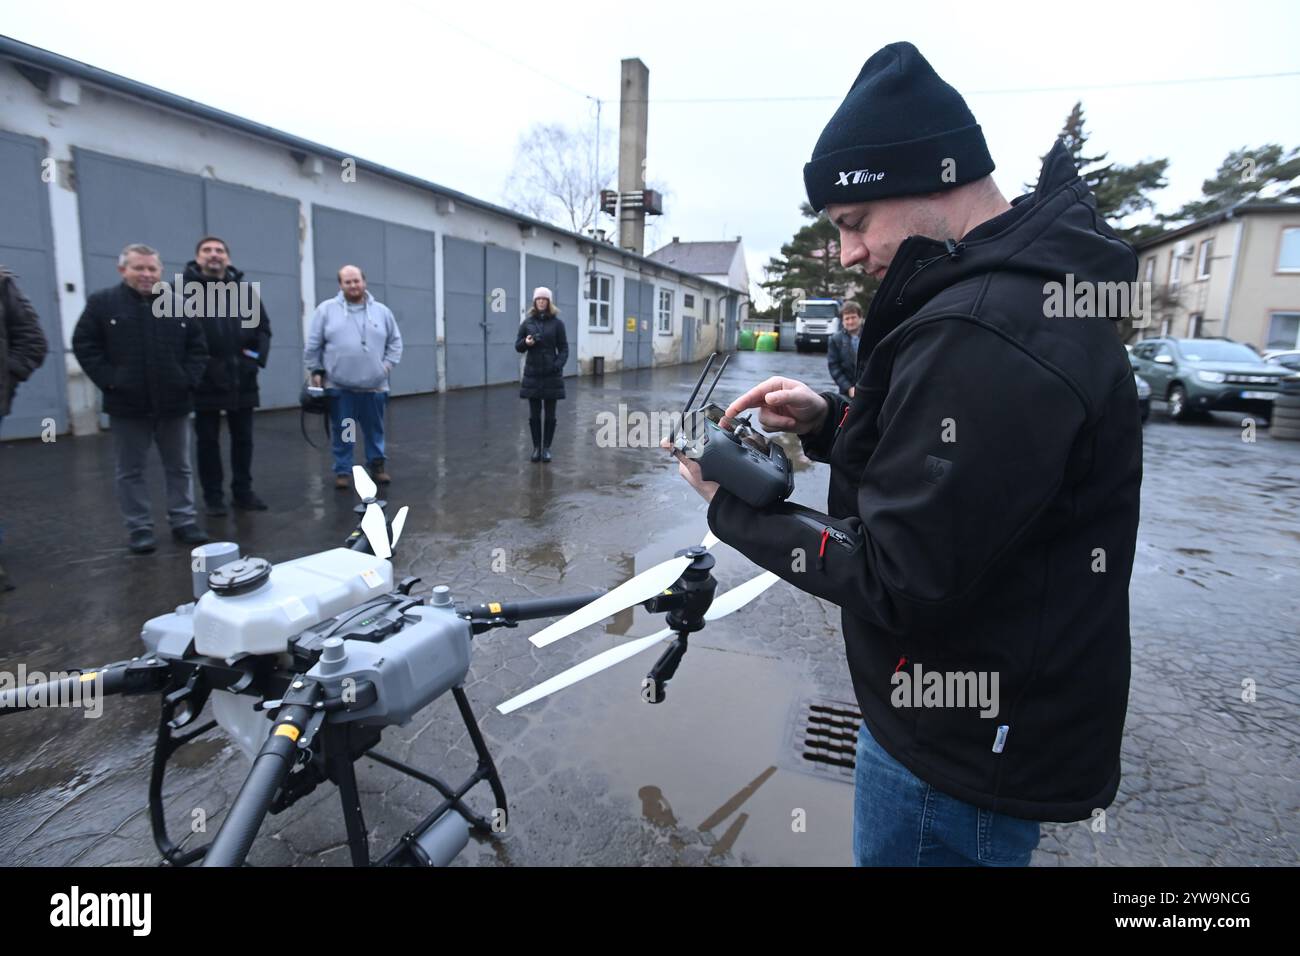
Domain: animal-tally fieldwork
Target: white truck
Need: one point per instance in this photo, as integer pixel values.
(815, 321)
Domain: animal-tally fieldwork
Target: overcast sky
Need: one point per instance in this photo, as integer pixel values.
(443, 90)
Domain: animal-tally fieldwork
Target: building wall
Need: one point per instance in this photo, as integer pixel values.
(126, 128)
(1261, 289)
(1208, 296)
(1234, 303)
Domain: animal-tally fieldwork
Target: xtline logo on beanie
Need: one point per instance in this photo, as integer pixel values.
(858, 176)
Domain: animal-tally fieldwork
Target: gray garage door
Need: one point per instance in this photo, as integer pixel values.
(562, 279)
(122, 201)
(688, 337)
(27, 250)
(638, 324)
(398, 264)
(482, 313)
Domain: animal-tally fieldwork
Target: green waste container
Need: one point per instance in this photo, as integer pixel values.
(766, 342)
(746, 340)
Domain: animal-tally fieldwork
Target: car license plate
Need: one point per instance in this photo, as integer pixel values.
(1262, 396)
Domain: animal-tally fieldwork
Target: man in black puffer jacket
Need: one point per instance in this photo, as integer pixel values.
(238, 346)
(985, 482)
(147, 362)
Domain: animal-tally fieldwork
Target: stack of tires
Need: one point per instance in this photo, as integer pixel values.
(1286, 411)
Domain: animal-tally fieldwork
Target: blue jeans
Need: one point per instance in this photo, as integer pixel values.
(366, 411)
(900, 820)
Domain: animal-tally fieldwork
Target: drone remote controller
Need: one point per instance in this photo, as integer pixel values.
(730, 451)
(740, 459)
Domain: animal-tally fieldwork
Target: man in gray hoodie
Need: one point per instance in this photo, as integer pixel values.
(352, 346)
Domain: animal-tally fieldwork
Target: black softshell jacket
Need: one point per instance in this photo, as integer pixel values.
(983, 508)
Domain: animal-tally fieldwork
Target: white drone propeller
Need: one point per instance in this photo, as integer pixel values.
(373, 524)
(732, 600)
(631, 592)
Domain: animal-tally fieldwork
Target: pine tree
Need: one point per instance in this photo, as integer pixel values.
(1264, 172)
(1120, 191)
(809, 264)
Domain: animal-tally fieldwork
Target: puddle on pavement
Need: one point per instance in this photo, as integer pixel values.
(706, 758)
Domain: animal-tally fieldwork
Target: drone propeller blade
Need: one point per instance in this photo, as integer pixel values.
(364, 484)
(582, 671)
(740, 595)
(399, 523)
(375, 529)
(633, 591)
(732, 600)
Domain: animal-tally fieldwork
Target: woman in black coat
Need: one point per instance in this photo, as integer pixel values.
(541, 335)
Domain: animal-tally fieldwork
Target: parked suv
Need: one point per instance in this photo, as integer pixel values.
(1203, 375)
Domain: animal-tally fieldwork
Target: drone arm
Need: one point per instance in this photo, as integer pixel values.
(122, 677)
(507, 614)
(270, 768)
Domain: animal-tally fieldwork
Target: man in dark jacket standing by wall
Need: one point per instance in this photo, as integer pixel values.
(147, 363)
(842, 352)
(238, 346)
(22, 350)
(985, 481)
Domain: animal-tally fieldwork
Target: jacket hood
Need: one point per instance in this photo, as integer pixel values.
(194, 274)
(1047, 233)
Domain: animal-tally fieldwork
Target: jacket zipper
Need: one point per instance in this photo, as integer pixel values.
(827, 534)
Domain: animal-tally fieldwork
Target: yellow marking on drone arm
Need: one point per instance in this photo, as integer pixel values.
(494, 607)
(287, 730)
(90, 676)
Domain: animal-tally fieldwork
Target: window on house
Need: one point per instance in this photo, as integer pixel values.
(665, 317)
(1194, 325)
(1288, 254)
(1203, 259)
(707, 303)
(1284, 330)
(1175, 268)
(688, 301)
(599, 295)
(1150, 274)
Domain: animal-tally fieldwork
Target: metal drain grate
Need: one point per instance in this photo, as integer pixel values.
(824, 737)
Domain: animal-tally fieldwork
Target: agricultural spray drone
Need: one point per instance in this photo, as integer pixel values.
(306, 662)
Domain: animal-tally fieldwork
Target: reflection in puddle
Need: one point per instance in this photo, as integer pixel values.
(656, 809)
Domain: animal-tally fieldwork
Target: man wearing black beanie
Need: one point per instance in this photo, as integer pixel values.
(985, 480)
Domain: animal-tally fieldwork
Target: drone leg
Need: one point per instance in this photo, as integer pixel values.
(486, 768)
(166, 745)
(345, 776)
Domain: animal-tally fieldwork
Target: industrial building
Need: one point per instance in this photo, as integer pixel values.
(91, 161)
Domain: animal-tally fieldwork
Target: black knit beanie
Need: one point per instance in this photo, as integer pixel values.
(901, 131)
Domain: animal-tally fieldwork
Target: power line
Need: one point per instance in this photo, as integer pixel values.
(995, 92)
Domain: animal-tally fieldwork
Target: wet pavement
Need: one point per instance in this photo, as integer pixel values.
(593, 774)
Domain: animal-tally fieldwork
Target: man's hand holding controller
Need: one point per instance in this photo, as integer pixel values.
(785, 404)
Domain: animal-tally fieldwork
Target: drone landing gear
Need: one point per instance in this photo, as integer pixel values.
(341, 745)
